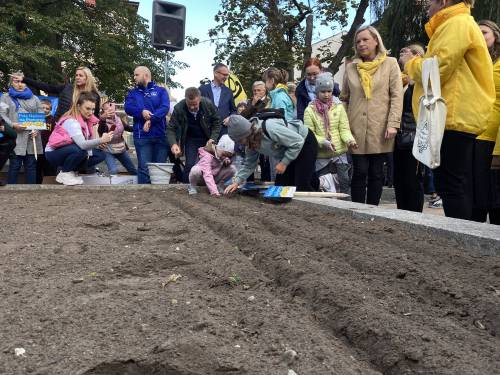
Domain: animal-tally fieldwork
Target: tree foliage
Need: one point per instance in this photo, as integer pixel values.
(48, 39)
(402, 21)
(252, 35)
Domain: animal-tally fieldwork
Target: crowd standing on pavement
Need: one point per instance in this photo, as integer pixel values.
(316, 134)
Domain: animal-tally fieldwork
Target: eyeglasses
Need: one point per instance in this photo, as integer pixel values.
(222, 74)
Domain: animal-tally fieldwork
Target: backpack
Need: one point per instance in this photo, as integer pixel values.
(267, 113)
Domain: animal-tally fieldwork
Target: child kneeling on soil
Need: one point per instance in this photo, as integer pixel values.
(214, 166)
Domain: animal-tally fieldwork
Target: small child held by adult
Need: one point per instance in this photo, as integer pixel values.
(117, 148)
(214, 166)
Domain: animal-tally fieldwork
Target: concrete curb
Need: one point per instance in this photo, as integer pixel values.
(483, 238)
(20, 187)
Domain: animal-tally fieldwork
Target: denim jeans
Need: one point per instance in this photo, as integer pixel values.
(430, 188)
(71, 158)
(124, 159)
(15, 163)
(149, 150)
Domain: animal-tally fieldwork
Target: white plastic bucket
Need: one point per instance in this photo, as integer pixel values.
(160, 173)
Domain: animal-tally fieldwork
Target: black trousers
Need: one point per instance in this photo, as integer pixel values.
(367, 178)
(7, 145)
(408, 181)
(301, 171)
(486, 185)
(453, 178)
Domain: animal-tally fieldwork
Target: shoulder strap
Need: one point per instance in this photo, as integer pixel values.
(434, 77)
(426, 71)
(264, 129)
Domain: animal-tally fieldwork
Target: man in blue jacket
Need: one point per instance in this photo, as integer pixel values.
(148, 104)
(220, 95)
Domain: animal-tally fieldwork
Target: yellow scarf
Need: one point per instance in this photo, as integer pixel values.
(405, 78)
(366, 70)
(282, 86)
(443, 15)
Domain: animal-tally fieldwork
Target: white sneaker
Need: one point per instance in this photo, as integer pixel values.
(78, 178)
(192, 190)
(68, 178)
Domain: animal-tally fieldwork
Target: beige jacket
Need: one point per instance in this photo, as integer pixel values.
(369, 119)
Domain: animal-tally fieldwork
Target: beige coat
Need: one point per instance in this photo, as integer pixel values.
(369, 119)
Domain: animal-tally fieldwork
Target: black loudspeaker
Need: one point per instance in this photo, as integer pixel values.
(169, 23)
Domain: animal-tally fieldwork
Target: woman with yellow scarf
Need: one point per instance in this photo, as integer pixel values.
(373, 95)
(466, 73)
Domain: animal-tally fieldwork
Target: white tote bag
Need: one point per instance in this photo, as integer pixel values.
(431, 117)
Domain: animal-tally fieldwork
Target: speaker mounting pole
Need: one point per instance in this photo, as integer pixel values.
(166, 67)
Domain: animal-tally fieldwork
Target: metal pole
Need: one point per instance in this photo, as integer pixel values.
(166, 66)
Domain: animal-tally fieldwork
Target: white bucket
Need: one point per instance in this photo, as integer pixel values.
(160, 173)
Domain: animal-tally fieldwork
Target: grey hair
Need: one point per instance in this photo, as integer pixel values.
(15, 74)
(220, 65)
(258, 83)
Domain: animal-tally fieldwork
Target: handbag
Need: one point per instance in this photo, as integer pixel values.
(431, 117)
(117, 148)
(405, 140)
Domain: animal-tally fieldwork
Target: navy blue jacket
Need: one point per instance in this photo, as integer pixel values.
(153, 98)
(303, 99)
(226, 102)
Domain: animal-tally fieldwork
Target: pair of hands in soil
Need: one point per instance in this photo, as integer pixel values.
(280, 169)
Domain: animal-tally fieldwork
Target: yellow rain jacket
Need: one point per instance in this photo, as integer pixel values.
(492, 134)
(465, 67)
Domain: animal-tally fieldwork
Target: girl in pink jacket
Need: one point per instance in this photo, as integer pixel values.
(214, 166)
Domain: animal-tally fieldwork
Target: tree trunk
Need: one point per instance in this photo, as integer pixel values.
(359, 19)
(308, 38)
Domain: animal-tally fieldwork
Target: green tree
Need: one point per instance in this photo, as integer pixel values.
(402, 21)
(252, 35)
(48, 39)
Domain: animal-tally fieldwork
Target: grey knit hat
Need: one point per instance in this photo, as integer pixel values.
(324, 82)
(238, 127)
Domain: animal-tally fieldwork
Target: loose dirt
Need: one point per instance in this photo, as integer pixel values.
(155, 282)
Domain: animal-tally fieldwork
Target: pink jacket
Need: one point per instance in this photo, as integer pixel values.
(59, 137)
(210, 167)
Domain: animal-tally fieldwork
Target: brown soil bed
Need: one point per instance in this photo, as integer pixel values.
(87, 291)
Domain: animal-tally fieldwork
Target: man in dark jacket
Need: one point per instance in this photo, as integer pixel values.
(193, 124)
(220, 95)
(148, 104)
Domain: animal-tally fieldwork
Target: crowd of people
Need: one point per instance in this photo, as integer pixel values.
(315, 135)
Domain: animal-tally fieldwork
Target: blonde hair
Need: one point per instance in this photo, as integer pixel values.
(375, 34)
(90, 84)
(83, 96)
(416, 49)
(277, 75)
